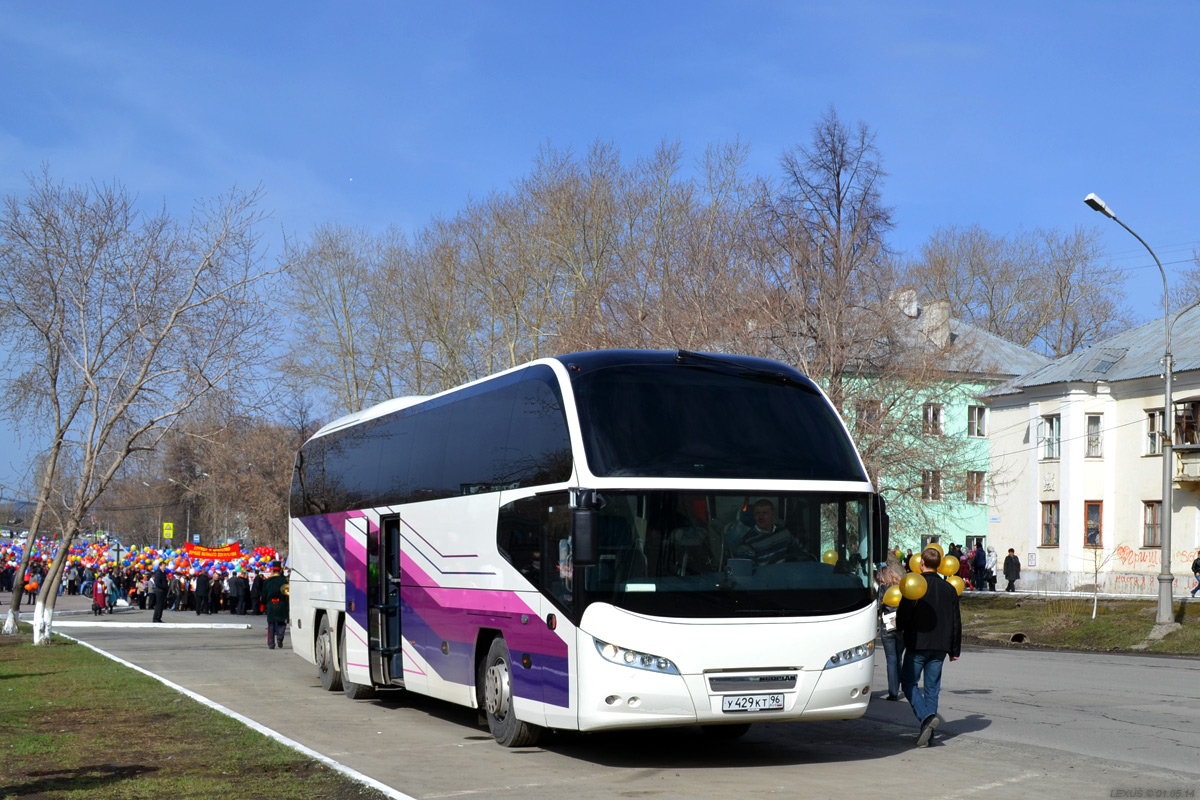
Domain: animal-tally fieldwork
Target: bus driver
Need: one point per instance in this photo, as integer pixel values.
(768, 542)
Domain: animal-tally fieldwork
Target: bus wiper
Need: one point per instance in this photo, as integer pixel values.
(741, 370)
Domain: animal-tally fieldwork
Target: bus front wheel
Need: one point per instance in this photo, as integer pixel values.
(495, 676)
(327, 665)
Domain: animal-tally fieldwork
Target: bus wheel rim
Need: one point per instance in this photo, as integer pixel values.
(497, 689)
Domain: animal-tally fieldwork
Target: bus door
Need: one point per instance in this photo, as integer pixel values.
(383, 577)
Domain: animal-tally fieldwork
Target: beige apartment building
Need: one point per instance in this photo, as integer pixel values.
(1076, 465)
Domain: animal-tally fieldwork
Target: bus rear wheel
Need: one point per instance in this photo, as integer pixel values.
(327, 665)
(495, 676)
(355, 691)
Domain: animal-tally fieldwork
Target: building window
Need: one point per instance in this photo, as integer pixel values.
(1051, 436)
(976, 487)
(1185, 423)
(1154, 427)
(933, 419)
(1151, 523)
(867, 414)
(931, 484)
(977, 421)
(1095, 424)
(1050, 524)
(1091, 524)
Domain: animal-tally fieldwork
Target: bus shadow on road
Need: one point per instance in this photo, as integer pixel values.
(887, 730)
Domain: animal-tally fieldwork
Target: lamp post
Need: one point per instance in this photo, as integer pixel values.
(1166, 611)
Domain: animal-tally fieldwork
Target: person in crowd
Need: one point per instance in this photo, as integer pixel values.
(111, 591)
(932, 628)
(275, 596)
(99, 602)
(890, 633)
(256, 588)
(202, 588)
(1012, 570)
(216, 589)
(1196, 574)
(990, 569)
(964, 567)
(979, 567)
(173, 590)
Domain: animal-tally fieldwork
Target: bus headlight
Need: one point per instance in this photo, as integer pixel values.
(633, 658)
(850, 655)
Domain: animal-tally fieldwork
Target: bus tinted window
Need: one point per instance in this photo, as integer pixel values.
(501, 434)
(478, 435)
(666, 420)
(539, 447)
(396, 436)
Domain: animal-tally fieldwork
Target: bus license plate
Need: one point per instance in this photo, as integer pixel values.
(752, 702)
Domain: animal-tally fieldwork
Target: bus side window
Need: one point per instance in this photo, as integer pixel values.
(529, 533)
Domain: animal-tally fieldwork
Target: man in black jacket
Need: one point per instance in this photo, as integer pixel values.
(932, 630)
(159, 581)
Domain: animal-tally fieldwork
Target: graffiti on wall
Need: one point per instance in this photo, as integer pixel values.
(1126, 556)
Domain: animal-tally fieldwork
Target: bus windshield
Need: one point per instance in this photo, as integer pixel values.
(702, 554)
(706, 421)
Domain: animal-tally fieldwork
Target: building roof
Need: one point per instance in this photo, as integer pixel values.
(1136, 353)
(961, 347)
(988, 354)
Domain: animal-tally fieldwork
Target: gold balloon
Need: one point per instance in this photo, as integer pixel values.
(829, 557)
(949, 565)
(913, 586)
(937, 547)
(914, 563)
(958, 583)
(892, 596)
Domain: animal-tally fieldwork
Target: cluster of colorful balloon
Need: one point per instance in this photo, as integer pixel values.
(913, 586)
(99, 555)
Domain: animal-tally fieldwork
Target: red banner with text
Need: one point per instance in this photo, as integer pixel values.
(226, 553)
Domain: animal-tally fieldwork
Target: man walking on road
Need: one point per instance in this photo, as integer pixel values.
(932, 629)
(159, 581)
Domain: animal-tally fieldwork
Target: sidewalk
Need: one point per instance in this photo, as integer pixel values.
(79, 607)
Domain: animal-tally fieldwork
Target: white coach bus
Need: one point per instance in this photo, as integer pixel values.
(611, 539)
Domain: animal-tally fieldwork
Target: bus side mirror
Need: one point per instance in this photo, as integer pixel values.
(880, 529)
(585, 548)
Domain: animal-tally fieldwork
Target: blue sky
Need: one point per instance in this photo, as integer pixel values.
(379, 113)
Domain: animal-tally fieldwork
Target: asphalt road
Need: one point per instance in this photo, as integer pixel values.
(1016, 723)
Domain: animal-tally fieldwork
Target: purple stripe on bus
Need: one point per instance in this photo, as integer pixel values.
(330, 532)
(427, 624)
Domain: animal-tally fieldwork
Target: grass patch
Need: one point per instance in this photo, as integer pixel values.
(74, 724)
(1066, 623)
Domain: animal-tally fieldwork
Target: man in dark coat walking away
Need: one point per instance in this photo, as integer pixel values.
(932, 628)
(275, 595)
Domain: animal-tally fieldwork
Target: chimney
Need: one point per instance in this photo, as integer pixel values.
(935, 322)
(906, 301)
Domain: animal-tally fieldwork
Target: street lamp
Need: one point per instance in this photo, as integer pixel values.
(1166, 611)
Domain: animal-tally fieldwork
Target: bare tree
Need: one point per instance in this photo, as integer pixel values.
(117, 324)
(824, 263)
(341, 340)
(1047, 289)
